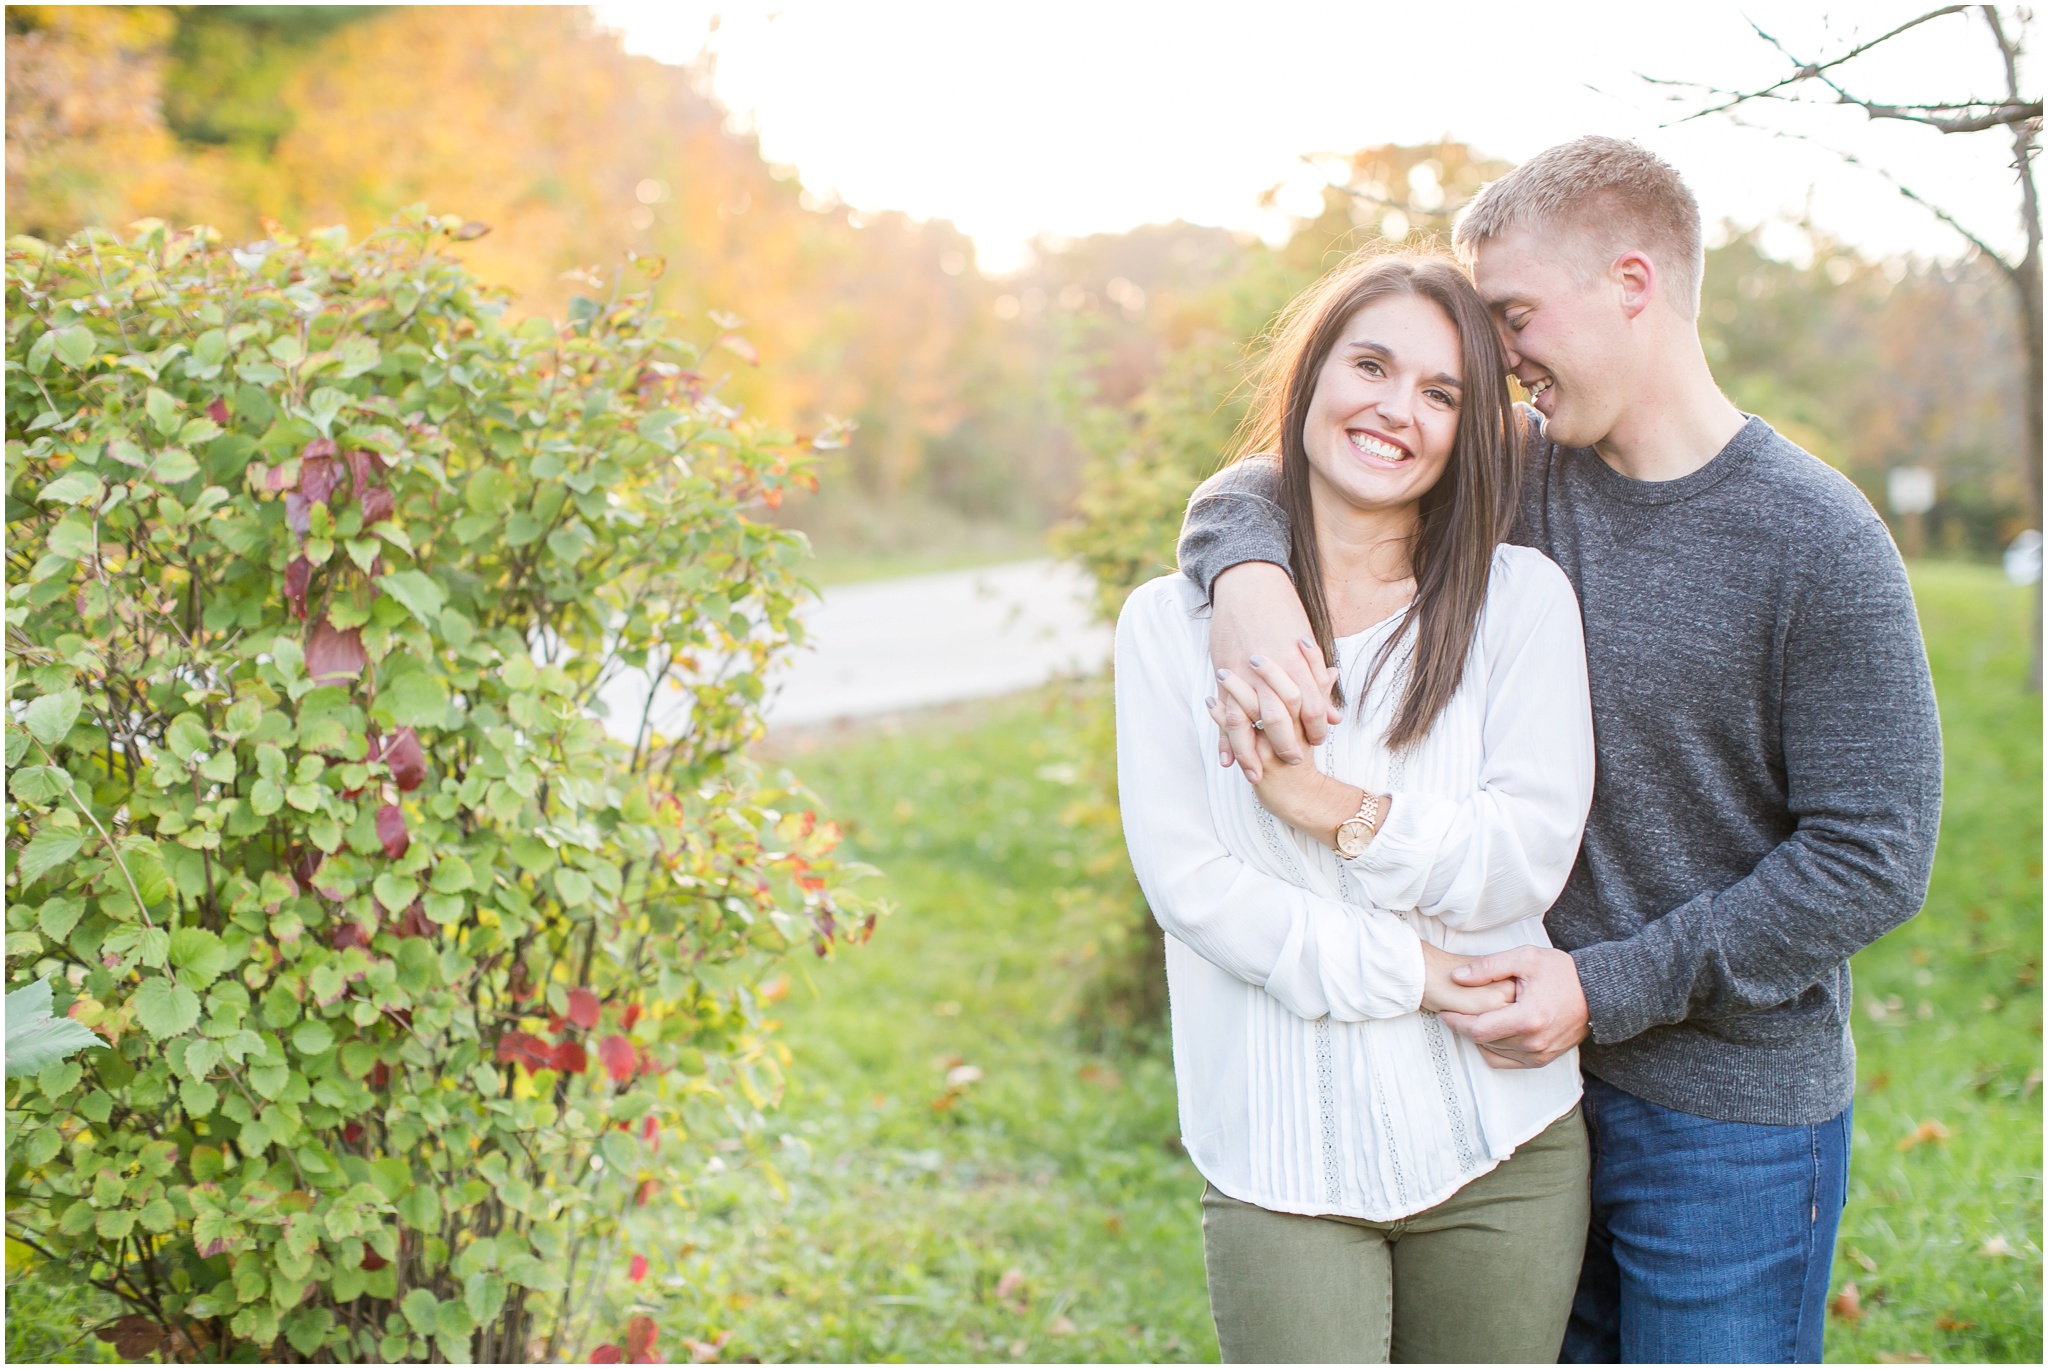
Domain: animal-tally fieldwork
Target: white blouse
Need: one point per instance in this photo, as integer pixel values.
(1310, 1081)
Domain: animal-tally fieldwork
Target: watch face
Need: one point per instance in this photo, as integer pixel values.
(1351, 839)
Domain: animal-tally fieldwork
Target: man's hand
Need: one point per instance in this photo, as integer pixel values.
(1547, 1018)
(1257, 613)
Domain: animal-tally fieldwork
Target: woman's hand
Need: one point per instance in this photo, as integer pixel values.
(1296, 792)
(1441, 993)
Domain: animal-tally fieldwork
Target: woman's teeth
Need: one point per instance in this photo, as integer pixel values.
(1372, 446)
(1536, 390)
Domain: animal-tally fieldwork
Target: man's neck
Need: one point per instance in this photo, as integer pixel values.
(1680, 422)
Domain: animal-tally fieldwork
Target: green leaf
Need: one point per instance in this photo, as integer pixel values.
(269, 1080)
(49, 718)
(452, 875)
(420, 1307)
(484, 1293)
(419, 593)
(45, 851)
(165, 1008)
(59, 1077)
(186, 735)
(199, 954)
(421, 1208)
(265, 797)
(198, 1096)
(39, 355)
(395, 892)
(75, 345)
(415, 699)
(72, 487)
(162, 411)
(573, 886)
(115, 1225)
(174, 467)
(58, 916)
(313, 1038)
(307, 1329)
(304, 797)
(158, 1215)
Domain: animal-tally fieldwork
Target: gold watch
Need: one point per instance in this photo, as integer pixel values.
(1355, 831)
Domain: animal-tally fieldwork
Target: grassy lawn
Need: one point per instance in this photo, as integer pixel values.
(1042, 1212)
(1942, 1238)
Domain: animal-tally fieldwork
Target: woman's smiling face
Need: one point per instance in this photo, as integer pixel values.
(1384, 417)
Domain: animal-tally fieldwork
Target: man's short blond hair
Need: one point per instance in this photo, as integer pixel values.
(1616, 195)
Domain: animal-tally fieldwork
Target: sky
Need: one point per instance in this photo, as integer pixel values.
(1068, 118)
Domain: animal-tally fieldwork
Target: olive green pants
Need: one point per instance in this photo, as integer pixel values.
(1486, 1276)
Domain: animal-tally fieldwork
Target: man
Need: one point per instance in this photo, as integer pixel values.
(1768, 767)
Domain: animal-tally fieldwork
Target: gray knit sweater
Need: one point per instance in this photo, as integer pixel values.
(1768, 768)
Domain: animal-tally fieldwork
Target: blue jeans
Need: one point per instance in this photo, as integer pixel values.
(1710, 1241)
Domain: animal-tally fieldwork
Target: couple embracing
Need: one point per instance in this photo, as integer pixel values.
(1513, 786)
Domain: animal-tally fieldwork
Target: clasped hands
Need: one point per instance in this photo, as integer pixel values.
(1522, 1007)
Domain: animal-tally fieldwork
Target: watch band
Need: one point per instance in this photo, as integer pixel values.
(1361, 826)
(1369, 813)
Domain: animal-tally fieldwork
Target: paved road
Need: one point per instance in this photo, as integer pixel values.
(885, 646)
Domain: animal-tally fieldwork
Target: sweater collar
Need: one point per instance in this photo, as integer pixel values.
(1752, 438)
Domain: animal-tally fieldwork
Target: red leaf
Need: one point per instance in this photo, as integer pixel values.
(319, 476)
(605, 1354)
(555, 1023)
(373, 1262)
(391, 830)
(133, 1336)
(638, 1269)
(407, 759)
(415, 922)
(583, 1007)
(363, 465)
(648, 1128)
(528, 1049)
(640, 1336)
(568, 1058)
(352, 1132)
(217, 1246)
(618, 1056)
(380, 1075)
(378, 504)
(298, 513)
(347, 934)
(632, 1015)
(334, 656)
(298, 577)
(648, 1188)
(320, 446)
(218, 411)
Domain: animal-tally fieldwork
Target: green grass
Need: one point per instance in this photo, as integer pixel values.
(1043, 1212)
(895, 1224)
(1948, 1026)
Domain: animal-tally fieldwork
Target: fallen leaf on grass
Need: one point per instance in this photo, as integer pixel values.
(1995, 1247)
(1102, 1075)
(963, 1074)
(1848, 1304)
(2033, 1082)
(1010, 1282)
(1878, 1083)
(1945, 1322)
(1929, 1130)
(1869, 1265)
(1061, 1327)
(1894, 1357)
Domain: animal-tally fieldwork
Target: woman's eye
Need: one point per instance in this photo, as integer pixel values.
(1370, 367)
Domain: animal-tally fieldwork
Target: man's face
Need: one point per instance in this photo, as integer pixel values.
(1566, 335)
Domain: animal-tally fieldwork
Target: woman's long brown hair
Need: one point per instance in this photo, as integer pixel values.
(1462, 518)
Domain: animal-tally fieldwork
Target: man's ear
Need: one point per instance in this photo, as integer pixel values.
(1635, 275)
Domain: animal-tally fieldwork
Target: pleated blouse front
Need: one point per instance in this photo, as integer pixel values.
(1309, 1079)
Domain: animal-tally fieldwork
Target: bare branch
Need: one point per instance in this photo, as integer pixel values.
(1853, 160)
(1805, 71)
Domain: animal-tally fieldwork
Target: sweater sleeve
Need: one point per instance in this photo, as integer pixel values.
(1861, 741)
(1233, 517)
(1317, 956)
(1503, 852)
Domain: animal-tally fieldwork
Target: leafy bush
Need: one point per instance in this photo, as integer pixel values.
(417, 988)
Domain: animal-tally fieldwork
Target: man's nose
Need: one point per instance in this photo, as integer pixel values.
(1507, 344)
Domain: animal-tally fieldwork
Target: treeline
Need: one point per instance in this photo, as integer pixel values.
(975, 401)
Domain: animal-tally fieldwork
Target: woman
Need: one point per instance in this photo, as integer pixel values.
(1375, 1190)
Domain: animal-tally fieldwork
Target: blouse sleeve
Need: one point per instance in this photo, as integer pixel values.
(1317, 956)
(1503, 852)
